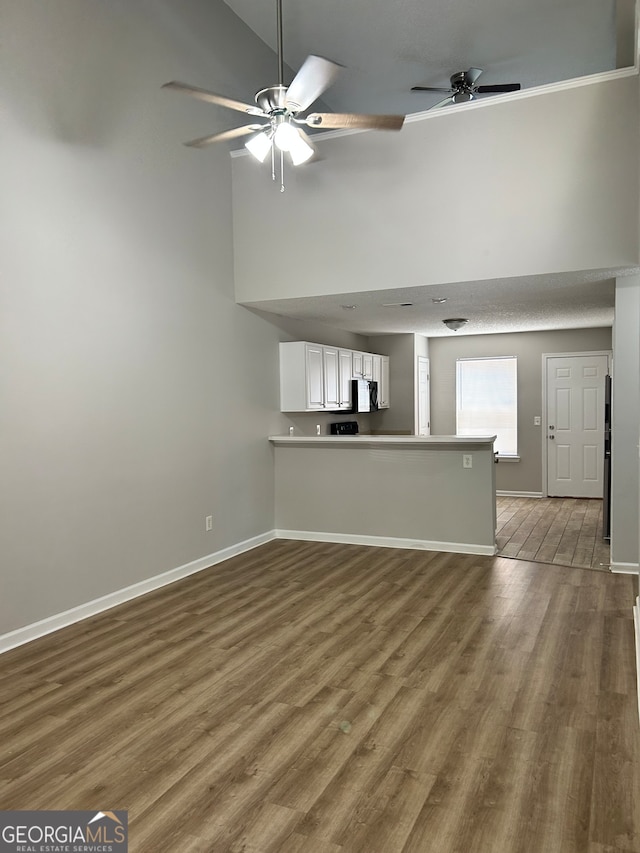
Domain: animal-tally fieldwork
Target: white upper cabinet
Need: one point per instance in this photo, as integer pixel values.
(301, 377)
(363, 365)
(314, 377)
(331, 381)
(367, 365)
(376, 369)
(345, 375)
(314, 358)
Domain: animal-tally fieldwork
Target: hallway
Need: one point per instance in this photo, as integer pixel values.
(564, 531)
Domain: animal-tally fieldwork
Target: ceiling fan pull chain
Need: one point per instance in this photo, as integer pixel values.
(281, 171)
(273, 162)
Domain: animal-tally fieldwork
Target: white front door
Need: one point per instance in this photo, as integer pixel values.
(423, 409)
(575, 425)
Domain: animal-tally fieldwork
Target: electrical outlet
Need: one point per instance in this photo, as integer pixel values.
(467, 460)
(208, 523)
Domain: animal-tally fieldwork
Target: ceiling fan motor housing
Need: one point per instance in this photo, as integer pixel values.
(271, 98)
(459, 80)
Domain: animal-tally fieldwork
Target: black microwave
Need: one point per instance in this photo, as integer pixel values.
(364, 395)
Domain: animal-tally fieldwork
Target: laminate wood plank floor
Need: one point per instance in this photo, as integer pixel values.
(564, 531)
(318, 698)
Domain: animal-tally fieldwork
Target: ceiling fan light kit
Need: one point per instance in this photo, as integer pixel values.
(281, 106)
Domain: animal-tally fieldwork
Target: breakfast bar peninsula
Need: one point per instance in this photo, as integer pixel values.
(432, 492)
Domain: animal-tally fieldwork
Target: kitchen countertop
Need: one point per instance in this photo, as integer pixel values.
(427, 442)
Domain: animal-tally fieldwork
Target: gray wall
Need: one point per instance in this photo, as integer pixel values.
(419, 493)
(526, 475)
(402, 351)
(625, 32)
(550, 162)
(136, 395)
(625, 423)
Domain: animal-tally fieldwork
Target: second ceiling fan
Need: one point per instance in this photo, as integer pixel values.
(463, 88)
(280, 109)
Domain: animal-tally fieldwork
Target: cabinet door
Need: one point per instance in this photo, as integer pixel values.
(367, 365)
(314, 377)
(357, 365)
(384, 383)
(345, 374)
(376, 371)
(330, 361)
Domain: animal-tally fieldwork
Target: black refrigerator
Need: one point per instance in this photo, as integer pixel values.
(606, 492)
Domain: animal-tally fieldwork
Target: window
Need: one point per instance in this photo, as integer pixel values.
(487, 400)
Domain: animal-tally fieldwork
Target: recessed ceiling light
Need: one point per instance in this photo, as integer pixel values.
(439, 301)
(348, 307)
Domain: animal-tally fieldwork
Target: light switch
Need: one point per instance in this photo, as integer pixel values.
(537, 421)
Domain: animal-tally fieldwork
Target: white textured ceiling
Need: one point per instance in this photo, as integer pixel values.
(388, 47)
(563, 301)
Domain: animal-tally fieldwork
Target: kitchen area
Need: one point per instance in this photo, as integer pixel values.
(343, 480)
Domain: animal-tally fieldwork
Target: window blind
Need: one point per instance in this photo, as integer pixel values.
(487, 400)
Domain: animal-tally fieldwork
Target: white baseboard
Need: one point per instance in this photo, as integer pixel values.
(625, 568)
(504, 494)
(386, 542)
(106, 602)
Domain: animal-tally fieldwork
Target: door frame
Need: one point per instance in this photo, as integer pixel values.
(545, 420)
(416, 406)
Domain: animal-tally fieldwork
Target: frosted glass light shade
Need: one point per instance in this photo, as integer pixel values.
(288, 138)
(259, 145)
(285, 136)
(300, 150)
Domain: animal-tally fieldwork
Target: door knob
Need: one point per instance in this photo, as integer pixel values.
(551, 426)
(552, 437)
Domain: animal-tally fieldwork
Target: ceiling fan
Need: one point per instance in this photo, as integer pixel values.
(280, 108)
(463, 88)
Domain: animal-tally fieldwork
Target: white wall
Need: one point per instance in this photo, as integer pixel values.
(500, 188)
(136, 395)
(624, 423)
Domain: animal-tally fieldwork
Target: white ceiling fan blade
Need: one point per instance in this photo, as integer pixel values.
(213, 98)
(203, 141)
(315, 76)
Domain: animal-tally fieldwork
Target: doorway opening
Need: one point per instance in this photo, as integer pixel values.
(561, 531)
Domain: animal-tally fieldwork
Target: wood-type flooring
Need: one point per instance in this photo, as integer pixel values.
(564, 531)
(319, 698)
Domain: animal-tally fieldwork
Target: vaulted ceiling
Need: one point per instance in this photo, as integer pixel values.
(386, 49)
